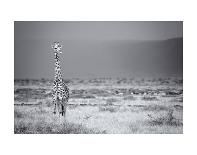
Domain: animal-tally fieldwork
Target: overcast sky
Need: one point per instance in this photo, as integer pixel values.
(92, 49)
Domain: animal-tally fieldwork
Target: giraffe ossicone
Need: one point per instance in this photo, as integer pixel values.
(60, 92)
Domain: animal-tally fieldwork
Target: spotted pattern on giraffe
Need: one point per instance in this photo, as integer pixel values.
(60, 92)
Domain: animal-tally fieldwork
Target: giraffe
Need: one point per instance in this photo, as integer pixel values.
(60, 92)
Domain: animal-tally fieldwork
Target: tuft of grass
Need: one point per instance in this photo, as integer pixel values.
(129, 98)
(82, 96)
(18, 114)
(153, 107)
(149, 98)
(178, 107)
(110, 101)
(99, 92)
(72, 106)
(167, 119)
(109, 108)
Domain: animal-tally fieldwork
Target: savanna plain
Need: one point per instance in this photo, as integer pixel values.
(101, 106)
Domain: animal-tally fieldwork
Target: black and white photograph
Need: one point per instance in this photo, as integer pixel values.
(98, 77)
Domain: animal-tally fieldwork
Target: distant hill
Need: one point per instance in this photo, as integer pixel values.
(154, 57)
(101, 58)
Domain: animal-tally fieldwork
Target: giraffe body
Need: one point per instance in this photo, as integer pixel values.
(60, 92)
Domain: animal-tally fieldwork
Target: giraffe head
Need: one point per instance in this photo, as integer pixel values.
(57, 48)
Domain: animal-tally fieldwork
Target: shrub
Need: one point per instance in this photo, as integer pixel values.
(167, 119)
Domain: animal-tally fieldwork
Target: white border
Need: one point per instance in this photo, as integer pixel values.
(103, 10)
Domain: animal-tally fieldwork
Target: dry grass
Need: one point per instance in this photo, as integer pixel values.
(21, 127)
(36, 120)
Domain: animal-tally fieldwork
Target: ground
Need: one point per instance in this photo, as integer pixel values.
(101, 105)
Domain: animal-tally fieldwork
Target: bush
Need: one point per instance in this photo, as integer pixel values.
(167, 119)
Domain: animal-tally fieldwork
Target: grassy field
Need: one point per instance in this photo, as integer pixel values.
(101, 105)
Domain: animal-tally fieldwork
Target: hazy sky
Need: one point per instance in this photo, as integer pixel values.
(98, 30)
(97, 48)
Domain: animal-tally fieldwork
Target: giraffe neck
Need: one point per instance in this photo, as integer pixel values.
(58, 75)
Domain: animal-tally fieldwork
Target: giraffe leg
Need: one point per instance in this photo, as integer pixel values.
(55, 104)
(58, 108)
(62, 106)
(65, 107)
(64, 112)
